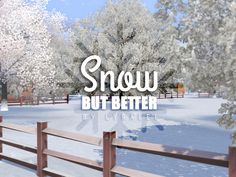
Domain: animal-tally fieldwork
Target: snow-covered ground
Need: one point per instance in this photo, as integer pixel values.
(189, 122)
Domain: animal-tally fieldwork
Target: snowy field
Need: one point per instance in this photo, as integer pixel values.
(185, 122)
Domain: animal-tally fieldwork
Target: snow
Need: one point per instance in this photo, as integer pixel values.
(185, 122)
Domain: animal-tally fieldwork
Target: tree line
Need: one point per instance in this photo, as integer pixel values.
(192, 42)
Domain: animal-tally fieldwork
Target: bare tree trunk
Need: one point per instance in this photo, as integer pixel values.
(121, 94)
(18, 91)
(4, 105)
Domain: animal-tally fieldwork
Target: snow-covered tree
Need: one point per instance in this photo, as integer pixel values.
(128, 38)
(24, 45)
(201, 28)
(208, 28)
(228, 39)
(172, 49)
(62, 51)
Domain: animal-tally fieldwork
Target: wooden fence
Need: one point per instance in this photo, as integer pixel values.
(37, 101)
(110, 143)
(170, 95)
(203, 95)
(65, 100)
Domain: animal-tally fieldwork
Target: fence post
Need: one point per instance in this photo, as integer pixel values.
(41, 145)
(20, 100)
(1, 134)
(109, 154)
(38, 100)
(67, 98)
(232, 161)
(53, 99)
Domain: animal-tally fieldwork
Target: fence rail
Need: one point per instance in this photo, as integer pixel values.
(170, 95)
(204, 95)
(110, 144)
(210, 158)
(17, 128)
(37, 101)
(21, 101)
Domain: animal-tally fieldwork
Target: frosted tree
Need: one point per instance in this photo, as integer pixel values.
(201, 27)
(171, 47)
(128, 38)
(228, 87)
(62, 51)
(208, 28)
(24, 45)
